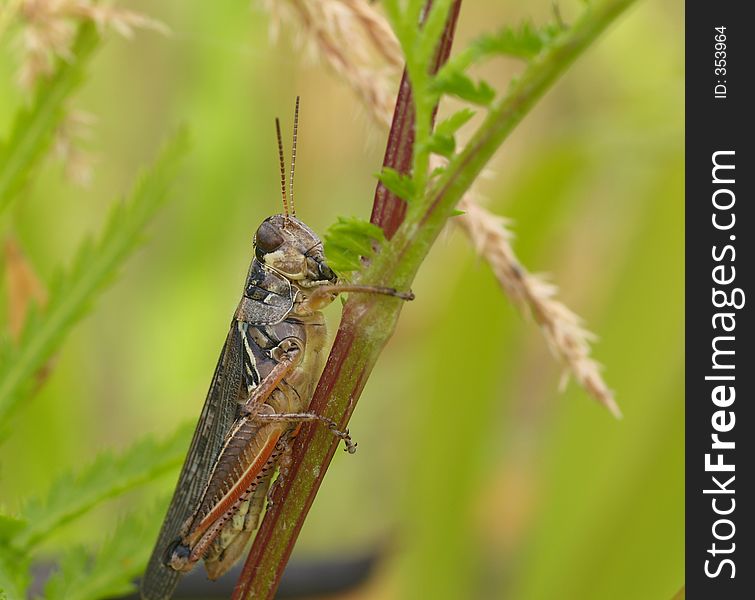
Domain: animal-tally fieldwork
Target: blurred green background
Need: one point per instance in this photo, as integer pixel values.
(481, 479)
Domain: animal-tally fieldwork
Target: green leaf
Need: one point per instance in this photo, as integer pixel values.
(109, 475)
(400, 23)
(428, 35)
(14, 577)
(10, 526)
(341, 260)
(14, 574)
(34, 127)
(442, 140)
(453, 123)
(111, 572)
(444, 145)
(349, 241)
(526, 41)
(438, 143)
(397, 183)
(355, 235)
(456, 83)
(66, 579)
(95, 265)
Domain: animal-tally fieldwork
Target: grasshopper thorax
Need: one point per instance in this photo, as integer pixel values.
(290, 248)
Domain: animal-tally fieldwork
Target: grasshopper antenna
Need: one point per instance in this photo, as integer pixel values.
(283, 166)
(293, 156)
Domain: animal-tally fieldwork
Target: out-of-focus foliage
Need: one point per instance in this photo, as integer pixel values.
(551, 497)
(119, 560)
(73, 290)
(73, 493)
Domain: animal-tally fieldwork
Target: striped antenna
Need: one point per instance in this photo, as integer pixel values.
(282, 164)
(293, 156)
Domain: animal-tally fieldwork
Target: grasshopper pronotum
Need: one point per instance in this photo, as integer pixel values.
(261, 388)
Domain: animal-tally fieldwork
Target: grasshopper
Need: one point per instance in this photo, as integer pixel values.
(262, 386)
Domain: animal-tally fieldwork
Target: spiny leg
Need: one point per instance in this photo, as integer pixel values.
(351, 446)
(231, 542)
(366, 289)
(285, 460)
(208, 535)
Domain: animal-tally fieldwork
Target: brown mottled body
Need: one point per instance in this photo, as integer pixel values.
(234, 499)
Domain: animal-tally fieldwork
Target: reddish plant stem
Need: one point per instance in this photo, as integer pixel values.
(346, 364)
(388, 210)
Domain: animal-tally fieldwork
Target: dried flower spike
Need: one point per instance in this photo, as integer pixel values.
(48, 28)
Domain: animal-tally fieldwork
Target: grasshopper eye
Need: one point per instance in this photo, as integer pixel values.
(326, 273)
(267, 239)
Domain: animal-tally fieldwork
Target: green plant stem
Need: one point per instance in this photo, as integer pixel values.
(425, 220)
(435, 18)
(368, 321)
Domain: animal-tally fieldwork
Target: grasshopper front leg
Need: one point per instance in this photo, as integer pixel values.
(288, 354)
(323, 295)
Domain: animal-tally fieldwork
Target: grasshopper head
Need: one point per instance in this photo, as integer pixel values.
(289, 247)
(286, 245)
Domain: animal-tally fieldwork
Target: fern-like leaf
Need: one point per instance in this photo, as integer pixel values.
(34, 128)
(111, 571)
(525, 42)
(14, 574)
(442, 140)
(96, 263)
(459, 84)
(397, 183)
(9, 527)
(349, 241)
(109, 475)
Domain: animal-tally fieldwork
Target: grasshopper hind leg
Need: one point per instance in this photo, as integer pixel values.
(233, 539)
(219, 561)
(284, 467)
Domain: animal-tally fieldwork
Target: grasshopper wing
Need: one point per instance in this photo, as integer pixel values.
(217, 416)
